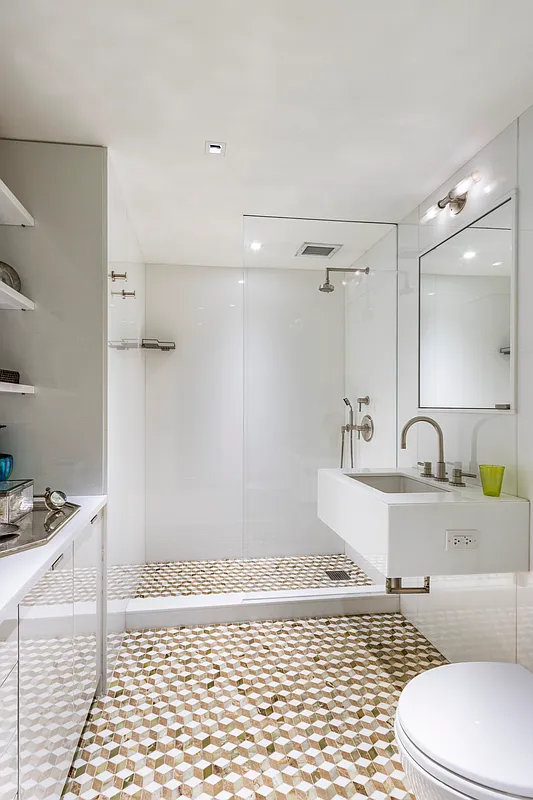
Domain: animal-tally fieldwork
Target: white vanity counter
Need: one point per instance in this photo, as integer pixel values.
(404, 525)
(19, 572)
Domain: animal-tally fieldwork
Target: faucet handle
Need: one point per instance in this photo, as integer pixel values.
(458, 475)
(363, 401)
(427, 472)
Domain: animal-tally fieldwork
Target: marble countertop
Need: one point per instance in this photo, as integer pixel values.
(19, 572)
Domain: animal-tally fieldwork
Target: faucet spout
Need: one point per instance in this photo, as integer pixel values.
(440, 471)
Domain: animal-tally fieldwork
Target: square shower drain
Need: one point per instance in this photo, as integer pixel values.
(338, 575)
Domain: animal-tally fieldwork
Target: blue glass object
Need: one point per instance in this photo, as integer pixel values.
(6, 466)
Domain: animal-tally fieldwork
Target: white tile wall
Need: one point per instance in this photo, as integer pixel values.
(126, 389)
(241, 416)
(371, 349)
(294, 385)
(194, 413)
(477, 617)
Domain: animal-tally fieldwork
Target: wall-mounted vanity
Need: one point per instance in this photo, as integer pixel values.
(403, 525)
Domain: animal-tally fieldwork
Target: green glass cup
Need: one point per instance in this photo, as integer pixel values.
(491, 479)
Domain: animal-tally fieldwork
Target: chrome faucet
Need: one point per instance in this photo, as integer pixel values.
(440, 471)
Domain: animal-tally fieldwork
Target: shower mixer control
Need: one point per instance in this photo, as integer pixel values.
(363, 401)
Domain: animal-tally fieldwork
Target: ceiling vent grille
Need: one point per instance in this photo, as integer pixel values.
(318, 250)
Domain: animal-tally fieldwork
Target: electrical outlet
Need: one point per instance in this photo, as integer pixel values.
(461, 540)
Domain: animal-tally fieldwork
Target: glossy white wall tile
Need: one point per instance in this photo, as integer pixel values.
(371, 349)
(194, 413)
(468, 618)
(294, 385)
(126, 388)
(472, 617)
(525, 369)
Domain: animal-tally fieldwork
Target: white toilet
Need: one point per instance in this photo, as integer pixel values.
(466, 731)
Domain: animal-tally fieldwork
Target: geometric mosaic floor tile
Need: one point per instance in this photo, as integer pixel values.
(180, 578)
(282, 710)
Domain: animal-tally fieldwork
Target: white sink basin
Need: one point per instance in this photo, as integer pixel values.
(397, 484)
(402, 525)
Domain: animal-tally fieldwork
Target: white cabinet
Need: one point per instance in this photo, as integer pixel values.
(8, 704)
(87, 616)
(47, 729)
(59, 658)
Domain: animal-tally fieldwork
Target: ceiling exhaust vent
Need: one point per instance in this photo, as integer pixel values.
(318, 250)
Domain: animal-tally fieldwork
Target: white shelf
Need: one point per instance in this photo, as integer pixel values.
(12, 212)
(16, 388)
(13, 300)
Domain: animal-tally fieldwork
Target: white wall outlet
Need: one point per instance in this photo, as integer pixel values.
(461, 540)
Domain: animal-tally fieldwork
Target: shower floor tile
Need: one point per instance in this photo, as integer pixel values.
(247, 575)
(278, 709)
(181, 578)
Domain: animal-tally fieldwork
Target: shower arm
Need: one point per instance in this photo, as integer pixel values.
(360, 270)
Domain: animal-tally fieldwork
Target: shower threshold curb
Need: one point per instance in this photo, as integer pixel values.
(163, 612)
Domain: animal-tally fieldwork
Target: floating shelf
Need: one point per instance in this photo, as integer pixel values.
(16, 388)
(155, 344)
(12, 212)
(14, 301)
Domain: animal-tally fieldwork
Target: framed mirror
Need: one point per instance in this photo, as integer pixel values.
(467, 317)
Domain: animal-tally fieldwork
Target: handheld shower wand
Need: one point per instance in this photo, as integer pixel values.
(348, 428)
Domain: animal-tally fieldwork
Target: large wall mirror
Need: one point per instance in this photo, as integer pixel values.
(467, 317)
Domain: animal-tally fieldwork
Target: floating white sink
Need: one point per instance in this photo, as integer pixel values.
(402, 525)
(397, 484)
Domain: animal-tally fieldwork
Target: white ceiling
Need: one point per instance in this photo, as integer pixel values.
(344, 109)
(281, 238)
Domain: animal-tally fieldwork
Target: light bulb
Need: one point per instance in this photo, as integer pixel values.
(431, 213)
(255, 246)
(466, 184)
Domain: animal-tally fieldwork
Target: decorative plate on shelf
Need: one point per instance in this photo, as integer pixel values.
(10, 276)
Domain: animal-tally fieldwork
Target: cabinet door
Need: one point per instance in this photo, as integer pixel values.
(47, 725)
(8, 704)
(87, 610)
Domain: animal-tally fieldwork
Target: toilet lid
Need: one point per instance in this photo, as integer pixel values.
(476, 720)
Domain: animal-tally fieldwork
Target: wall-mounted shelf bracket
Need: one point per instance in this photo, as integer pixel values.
(124, 295)
(118, 276)
(395, 586)
(155, 344)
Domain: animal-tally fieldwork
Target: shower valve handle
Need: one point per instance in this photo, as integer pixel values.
(363, 401)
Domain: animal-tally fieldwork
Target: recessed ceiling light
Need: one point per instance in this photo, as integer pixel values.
(215, 148)
(344, 283)
(430, 294)
(256, 246)
(497, 264)
(241, 281)
(469, 254)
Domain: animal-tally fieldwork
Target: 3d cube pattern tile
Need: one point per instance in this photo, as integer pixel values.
(279, 710)
(179, 578)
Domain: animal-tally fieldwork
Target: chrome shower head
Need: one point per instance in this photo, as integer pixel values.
(327, 286)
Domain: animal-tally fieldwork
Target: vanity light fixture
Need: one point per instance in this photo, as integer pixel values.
(255, 246)
(456, 198)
